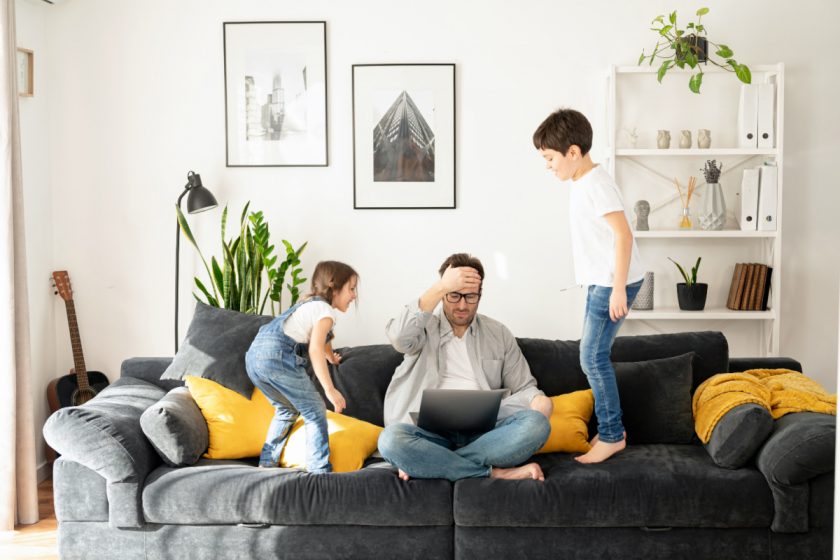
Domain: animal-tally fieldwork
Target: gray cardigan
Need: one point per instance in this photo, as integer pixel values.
(494, 354)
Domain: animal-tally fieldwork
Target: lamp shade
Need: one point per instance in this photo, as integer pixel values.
(199, 198)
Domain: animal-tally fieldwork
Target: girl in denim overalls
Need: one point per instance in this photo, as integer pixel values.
(277, 359)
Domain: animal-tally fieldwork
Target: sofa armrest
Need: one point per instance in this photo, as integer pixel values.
(800, 448)
(150, 369)
(104, 435)
(743, 364)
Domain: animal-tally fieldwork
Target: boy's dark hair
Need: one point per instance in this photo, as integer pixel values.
(462, 259)
(329, 277)
(562, 129)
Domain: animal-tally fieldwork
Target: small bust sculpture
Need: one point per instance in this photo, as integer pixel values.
(642, 210)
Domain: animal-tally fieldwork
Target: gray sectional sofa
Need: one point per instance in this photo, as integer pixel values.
(115, 497)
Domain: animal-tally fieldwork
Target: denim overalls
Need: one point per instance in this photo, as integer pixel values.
(277, 364)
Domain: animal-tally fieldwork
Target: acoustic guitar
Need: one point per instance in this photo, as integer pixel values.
(80, 385)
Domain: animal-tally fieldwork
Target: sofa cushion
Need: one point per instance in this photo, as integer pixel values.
(569, 419)
(231, 492)
(556, 363)
(643, 486)
(215, 347)
(238, 427)
(656, 399)
(738, 435)
(176, 428)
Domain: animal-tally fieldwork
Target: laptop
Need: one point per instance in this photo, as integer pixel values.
(443, 410)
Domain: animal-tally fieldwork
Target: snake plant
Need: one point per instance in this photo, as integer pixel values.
(689, 280)
(249, 276)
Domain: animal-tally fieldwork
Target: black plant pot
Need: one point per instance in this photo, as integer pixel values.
(692, 298)
(698, 45)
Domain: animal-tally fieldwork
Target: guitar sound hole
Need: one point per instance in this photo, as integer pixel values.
(81, 396)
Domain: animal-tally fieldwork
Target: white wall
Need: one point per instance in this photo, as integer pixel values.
(136, 99)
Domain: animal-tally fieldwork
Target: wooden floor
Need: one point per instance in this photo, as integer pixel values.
(38, 540)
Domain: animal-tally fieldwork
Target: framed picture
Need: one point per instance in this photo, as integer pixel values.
(276, 93)
(403, 136)
(25, 72)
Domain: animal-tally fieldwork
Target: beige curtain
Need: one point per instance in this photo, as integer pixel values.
(18, 477)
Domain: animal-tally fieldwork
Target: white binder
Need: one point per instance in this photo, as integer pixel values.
(748, 117)
(749, 199)
(766, 111)
(768, 197)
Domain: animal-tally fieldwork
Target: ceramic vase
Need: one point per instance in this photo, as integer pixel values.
(685, 139)
(712, 214)
(644, 299)
(704, 138)
(663, 139)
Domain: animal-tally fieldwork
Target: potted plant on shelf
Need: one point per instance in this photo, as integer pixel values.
(691, 295)
(689, 47)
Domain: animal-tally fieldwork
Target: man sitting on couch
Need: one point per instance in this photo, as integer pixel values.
(459, 349)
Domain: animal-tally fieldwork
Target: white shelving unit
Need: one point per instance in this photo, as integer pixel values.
(648, 162)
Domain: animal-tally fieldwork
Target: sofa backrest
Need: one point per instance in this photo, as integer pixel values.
(365, 371)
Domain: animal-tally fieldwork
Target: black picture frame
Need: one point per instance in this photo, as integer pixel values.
(397, 166)
(283, 63)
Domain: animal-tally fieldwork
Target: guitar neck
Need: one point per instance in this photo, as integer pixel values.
(76, 344)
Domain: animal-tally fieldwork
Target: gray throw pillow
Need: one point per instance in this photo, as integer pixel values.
(175, 427)
(800, 448)
(215, 348)
(739, 434)
(656, 399)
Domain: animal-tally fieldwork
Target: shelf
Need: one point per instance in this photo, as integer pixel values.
(707, 314)
(710, 152)
(700, 234)
(707, 69)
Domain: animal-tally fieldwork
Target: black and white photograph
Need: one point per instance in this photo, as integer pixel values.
(275, 93)
(404, 135)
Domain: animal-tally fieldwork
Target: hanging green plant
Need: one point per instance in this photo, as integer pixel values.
(248, 260)
(679, 48)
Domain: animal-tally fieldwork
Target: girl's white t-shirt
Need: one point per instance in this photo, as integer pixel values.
(299, 324)
(593, 242)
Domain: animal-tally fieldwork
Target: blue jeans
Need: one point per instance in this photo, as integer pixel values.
(273, 367)
(455, 455)
(595, 347)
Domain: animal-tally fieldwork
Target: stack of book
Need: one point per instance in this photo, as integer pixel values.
(750, 287)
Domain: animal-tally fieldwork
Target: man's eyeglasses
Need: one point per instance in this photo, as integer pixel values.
(455, 297)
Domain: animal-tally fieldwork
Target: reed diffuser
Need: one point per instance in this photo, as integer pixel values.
(685, 199)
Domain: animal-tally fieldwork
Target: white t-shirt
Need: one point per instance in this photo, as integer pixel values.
(593, 242)
(299, 324)
(457, 370)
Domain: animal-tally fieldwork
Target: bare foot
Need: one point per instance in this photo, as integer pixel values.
(402, 474)
(601, 451)
(531, 470)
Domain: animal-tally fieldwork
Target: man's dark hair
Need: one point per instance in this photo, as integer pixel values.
(562, 129)
(462, 259)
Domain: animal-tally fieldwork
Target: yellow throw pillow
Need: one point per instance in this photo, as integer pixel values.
(238, 426)
(569, 431)
(351, 442)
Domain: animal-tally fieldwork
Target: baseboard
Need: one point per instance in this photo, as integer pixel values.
(44, 471)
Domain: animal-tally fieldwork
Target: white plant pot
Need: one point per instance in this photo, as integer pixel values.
(712, 212)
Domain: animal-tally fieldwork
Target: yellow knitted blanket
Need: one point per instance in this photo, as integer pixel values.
(780, 391)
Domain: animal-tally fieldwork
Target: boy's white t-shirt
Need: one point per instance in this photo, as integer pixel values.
(299, 324)
(593, 242)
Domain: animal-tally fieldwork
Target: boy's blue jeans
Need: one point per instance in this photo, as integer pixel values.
(274, 370)
(599, 332)
(455, 455)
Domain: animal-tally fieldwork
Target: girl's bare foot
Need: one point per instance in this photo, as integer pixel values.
(601, 451)
(531, 470)
(403, 475)
(596, 439)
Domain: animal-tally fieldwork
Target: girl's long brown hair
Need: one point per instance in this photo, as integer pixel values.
(329, 278)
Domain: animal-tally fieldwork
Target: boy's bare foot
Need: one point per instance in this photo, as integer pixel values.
(531, 470)
(601, 451)
(402, 474)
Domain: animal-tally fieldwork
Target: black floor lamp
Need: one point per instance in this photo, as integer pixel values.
(199, 200)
